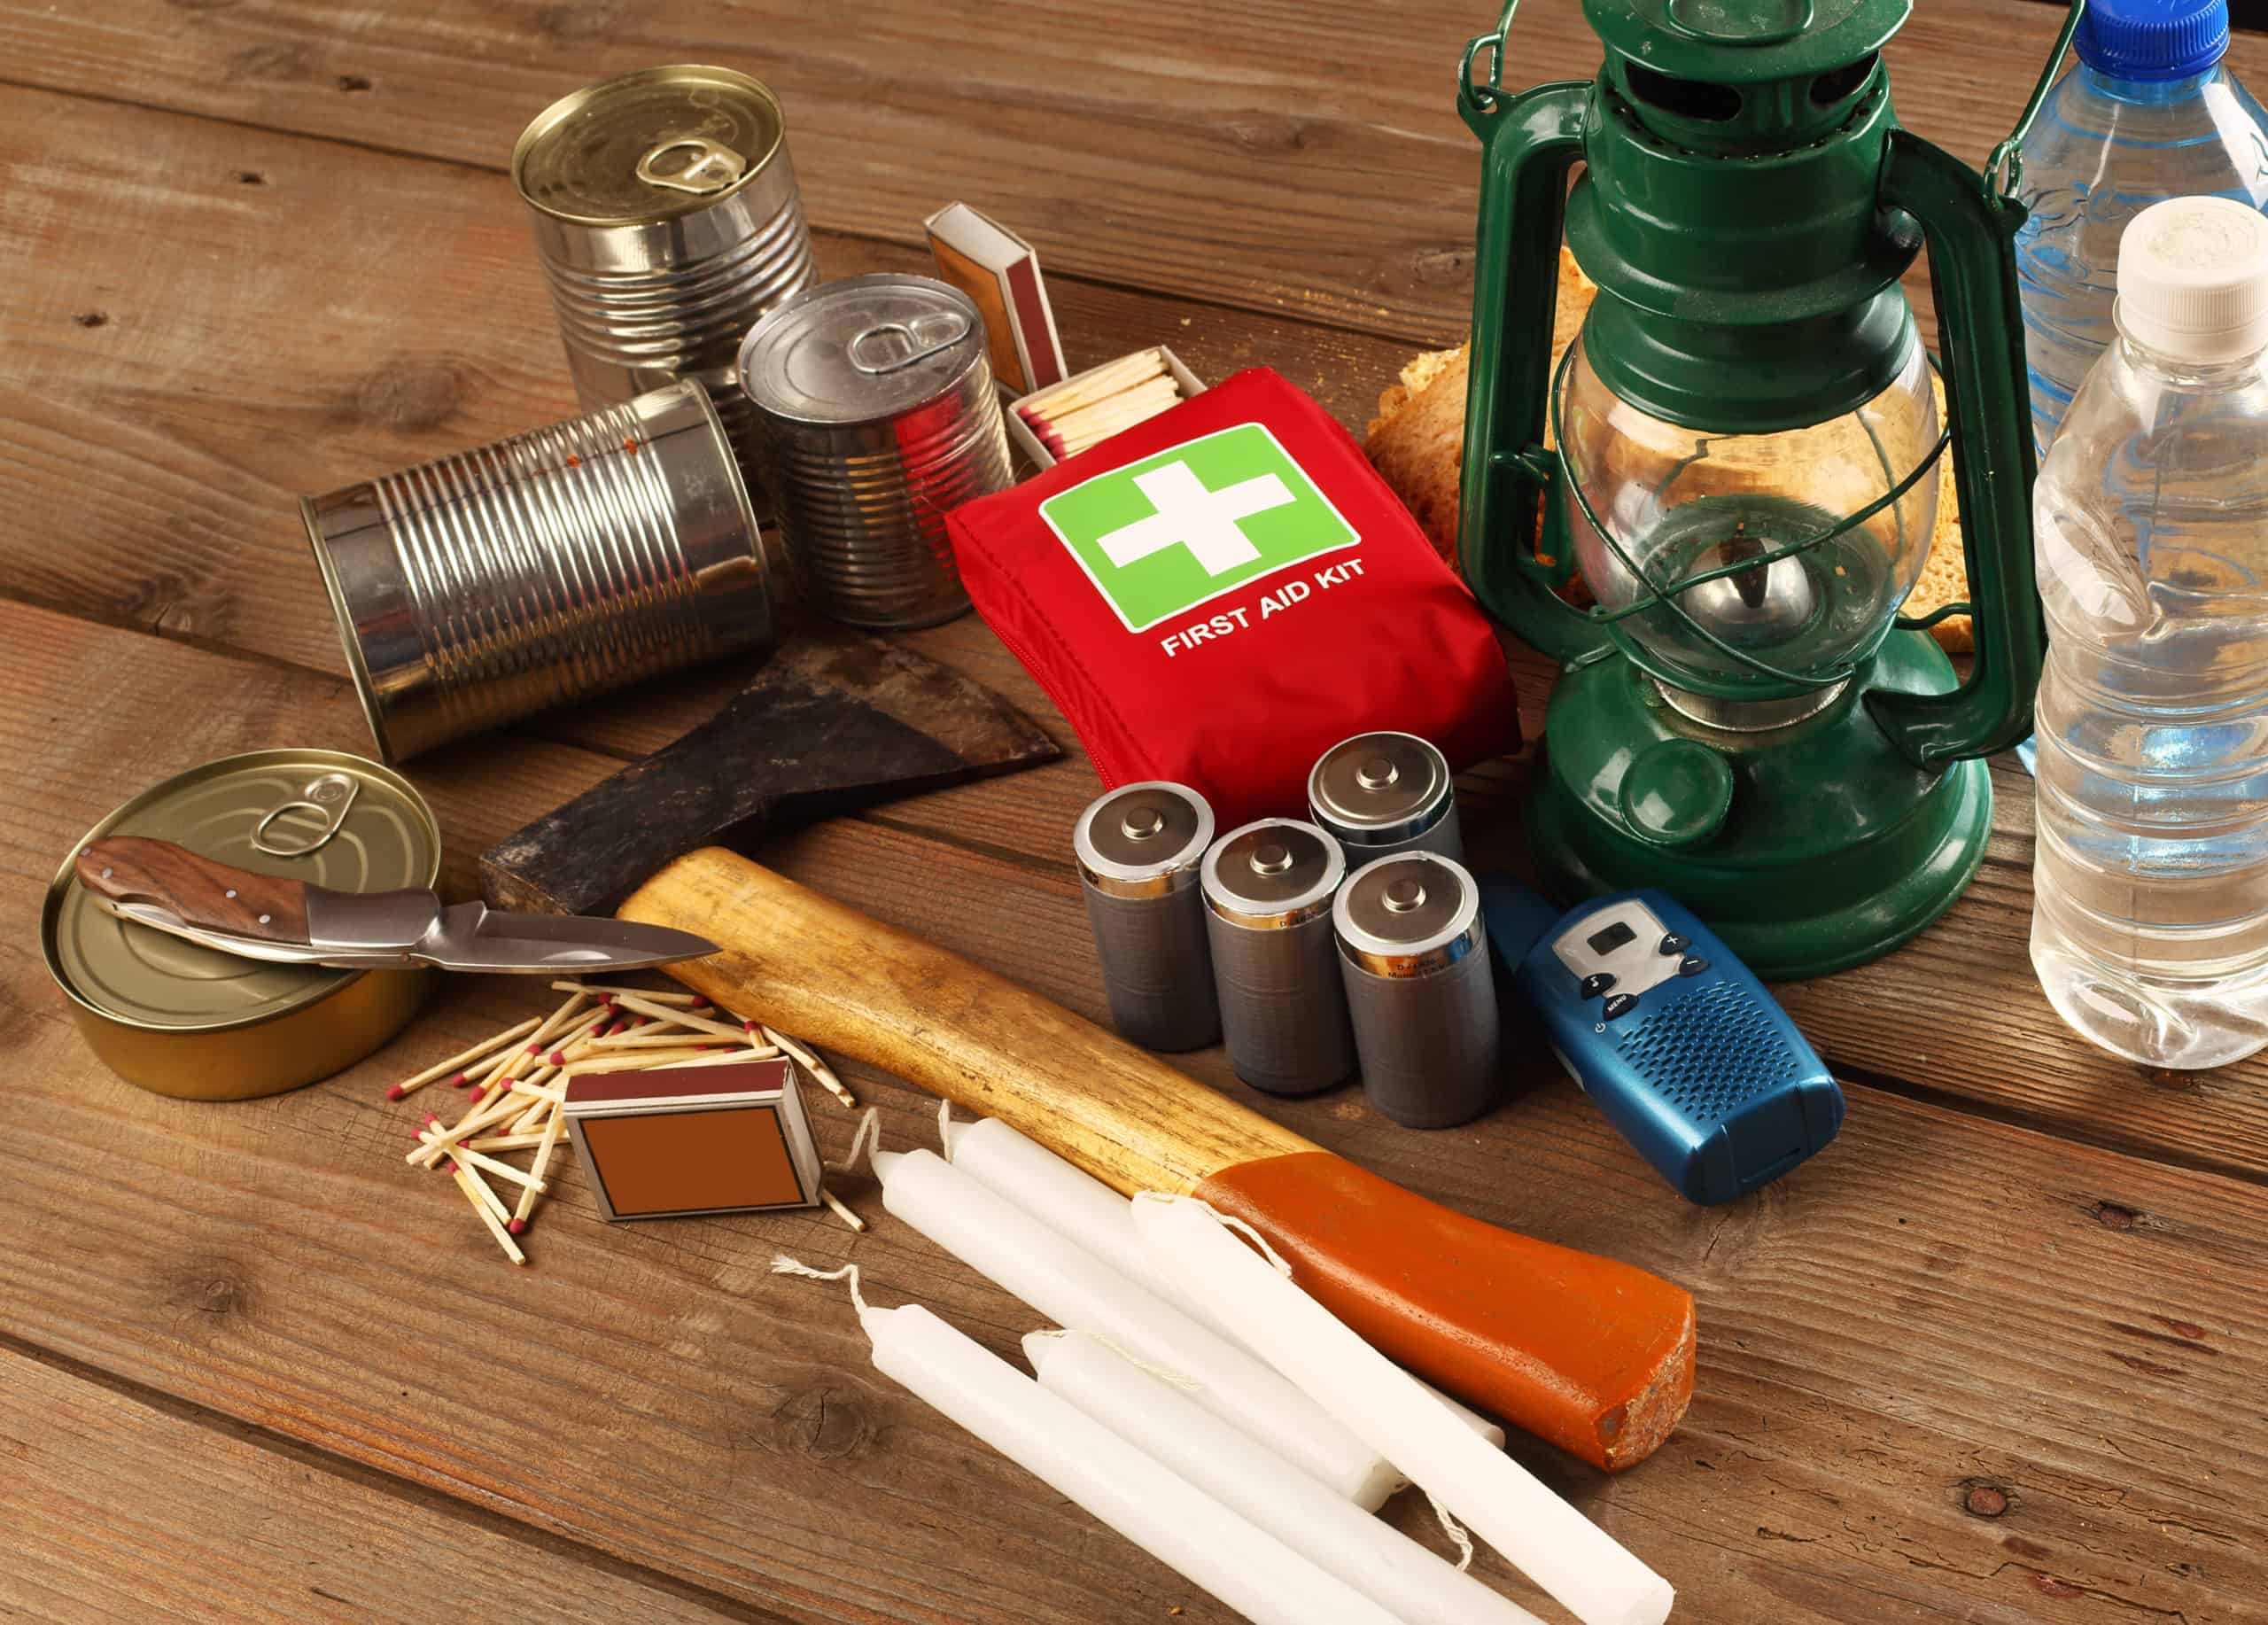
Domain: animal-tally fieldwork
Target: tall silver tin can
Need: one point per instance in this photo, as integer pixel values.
(878, 416)
(667, 221)
(1268, 891)
(1140, 849)
(1419, 986)
(1385, 793)
(487, 585)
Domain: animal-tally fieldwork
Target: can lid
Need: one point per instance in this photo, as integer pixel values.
(1380, 787)
(1138, 833)
(861, 349)
(1408, 913)
(1276, 871)
(649, 146)
(319, 816)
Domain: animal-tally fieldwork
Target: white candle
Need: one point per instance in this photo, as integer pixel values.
(1159, 1510)
(1088, 1212)
(1549, 1540)
(1073, 1287)
(1339, 1538)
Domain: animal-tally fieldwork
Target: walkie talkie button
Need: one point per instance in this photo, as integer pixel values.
(1692, 965)
(1621, 1004)
(1675, 944)
(1596, 984)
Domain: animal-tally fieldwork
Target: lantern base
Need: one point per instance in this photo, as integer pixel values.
(1807, 849)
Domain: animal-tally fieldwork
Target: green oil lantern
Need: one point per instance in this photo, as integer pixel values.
(1742, 471)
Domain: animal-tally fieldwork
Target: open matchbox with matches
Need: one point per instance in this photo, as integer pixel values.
(1088, 408)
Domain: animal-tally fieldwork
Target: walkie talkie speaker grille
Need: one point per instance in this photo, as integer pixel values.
(1710, 1053)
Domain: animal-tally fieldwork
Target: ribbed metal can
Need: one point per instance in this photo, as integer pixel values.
(1268, 892)
(1385, 793)
(1419, 989)
(1139, 848)
(667, 221)
(485, 586)
(878, 416)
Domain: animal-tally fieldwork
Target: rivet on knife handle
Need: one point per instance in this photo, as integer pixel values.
(210, 895)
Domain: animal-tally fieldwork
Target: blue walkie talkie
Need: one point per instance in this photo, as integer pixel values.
(1675, 1039)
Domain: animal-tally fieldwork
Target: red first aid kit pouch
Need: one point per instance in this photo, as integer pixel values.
(1221, 593)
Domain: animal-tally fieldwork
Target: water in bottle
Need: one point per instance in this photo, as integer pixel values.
(2150, 921)
(2150, 111)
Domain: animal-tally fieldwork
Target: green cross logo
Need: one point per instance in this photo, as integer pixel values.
(1163, 535)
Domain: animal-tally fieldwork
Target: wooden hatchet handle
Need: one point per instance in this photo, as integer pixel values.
(1595, 1355)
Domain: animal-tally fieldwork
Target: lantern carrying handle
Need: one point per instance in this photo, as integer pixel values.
(2004, 170)
(1475, 98)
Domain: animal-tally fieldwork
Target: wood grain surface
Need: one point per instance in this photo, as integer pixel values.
(1996, 1357)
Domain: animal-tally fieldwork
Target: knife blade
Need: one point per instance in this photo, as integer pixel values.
(173, 890)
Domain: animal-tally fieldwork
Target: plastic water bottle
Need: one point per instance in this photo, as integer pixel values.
(2149, 114)
(2149, 928)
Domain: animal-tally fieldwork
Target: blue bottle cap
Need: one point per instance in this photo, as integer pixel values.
(2152, 40)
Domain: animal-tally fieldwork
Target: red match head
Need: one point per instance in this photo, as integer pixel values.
(519, 1227)
(395, 1092)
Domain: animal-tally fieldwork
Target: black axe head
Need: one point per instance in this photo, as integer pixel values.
(832, 722)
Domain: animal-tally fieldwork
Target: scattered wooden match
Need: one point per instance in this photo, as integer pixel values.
(515, 1083)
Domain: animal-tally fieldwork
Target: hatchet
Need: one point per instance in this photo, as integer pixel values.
(833, 721)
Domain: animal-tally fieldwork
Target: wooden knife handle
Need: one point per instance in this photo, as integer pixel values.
(1596, 1355)
(211, 896)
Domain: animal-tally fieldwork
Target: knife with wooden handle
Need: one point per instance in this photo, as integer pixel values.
(256, 916)
(1595, 1355)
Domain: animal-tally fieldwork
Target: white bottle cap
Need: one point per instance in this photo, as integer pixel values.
(2193, 279)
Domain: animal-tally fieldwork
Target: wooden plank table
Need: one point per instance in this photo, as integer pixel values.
(1997, 1356)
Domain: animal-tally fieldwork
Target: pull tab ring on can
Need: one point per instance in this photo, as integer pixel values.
(328, 797)
(890, 347)
(708, 166)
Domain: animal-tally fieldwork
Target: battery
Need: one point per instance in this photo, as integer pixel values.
(1140, 849)
(878, 416)
(178, 1018)
(548, 567)
(1415, 955)
(1268, 893)
(1385, 793)
(667, 221)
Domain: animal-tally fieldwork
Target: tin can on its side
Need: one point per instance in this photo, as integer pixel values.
(179, 1019)
(1140, 849)
(548, 567)
(1268, 891)
(1415, 954)
(1385, 793)
(878, 416)
(667, 221)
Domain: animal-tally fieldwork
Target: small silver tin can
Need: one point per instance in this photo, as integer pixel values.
(1385, 793)
(667, 221)
(1139, 848)
(878, 416)
(1268, 892)
(1415, 954)
(486, 586)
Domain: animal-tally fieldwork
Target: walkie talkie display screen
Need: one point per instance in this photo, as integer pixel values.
(1608, 940)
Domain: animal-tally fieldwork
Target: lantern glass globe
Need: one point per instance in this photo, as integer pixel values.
(1682, 502)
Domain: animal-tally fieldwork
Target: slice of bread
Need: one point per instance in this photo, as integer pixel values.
(1416, 442)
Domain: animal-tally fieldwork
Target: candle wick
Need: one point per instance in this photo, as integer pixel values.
(945, 1129)
(866, 1142)
(1458, 1536)
(1274, 1259)
(781, 1264)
